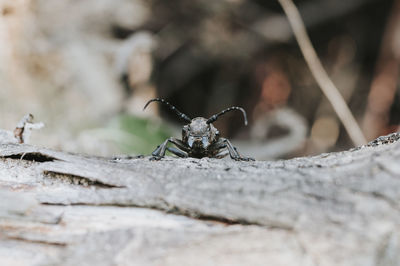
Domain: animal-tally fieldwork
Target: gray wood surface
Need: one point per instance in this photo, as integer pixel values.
(340, 208)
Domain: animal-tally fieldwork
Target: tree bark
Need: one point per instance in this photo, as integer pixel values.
(339, 208)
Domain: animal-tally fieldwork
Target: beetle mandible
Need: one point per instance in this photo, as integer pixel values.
(199, 137)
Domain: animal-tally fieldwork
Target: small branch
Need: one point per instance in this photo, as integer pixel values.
(385, 81)
(23, 130)
(319, 73)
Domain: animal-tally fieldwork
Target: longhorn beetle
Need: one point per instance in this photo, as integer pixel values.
(199, 137)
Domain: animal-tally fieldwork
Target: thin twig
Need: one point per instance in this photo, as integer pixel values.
(319, 73)
(384, 83)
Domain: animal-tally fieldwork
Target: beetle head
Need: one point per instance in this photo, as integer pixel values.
(199, 134)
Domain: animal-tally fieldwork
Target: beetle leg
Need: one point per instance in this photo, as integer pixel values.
(177, 152)
(235, 155)
(181, 145)
(221, 155)
(160, 151)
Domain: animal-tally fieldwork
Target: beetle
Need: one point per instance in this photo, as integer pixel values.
(199, 137)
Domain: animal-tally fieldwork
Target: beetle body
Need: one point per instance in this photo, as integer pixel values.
(199, 138)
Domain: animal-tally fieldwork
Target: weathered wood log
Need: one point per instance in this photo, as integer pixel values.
(68, 209)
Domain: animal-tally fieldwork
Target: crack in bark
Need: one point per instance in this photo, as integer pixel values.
(36, 241)
(175, 211)
(31, 156)
(77, 180)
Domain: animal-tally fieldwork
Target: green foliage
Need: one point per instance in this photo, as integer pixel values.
(136, 135)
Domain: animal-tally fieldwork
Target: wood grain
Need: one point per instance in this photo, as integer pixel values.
(68, 209)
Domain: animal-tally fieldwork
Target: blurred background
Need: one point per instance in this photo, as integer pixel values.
(87, 67)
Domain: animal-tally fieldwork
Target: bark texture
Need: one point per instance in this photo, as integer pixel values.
(340, 208)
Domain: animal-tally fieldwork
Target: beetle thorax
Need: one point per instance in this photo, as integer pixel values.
(198, 126)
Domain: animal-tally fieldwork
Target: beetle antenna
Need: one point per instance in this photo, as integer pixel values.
(173, 108)
(215, 117)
